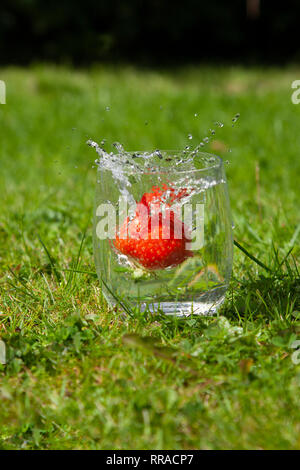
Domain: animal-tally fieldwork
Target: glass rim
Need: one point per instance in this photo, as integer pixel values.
(217, 164)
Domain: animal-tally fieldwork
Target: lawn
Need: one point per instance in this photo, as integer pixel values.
(80, 376)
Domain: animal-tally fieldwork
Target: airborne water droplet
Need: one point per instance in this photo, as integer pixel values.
(107, 108)
(235, 118)
(190, 136)
(119, 147)
(158, 154)
(219, 124)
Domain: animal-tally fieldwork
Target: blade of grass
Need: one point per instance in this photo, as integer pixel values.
(52, 261)
(25, 292)
(252, 257)
(120, 302)
(22, 283)
(70, 279)
(48, 287)
(284, 261)
(295, 235)
(80, 271)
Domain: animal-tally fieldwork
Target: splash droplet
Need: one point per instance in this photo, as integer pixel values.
(119, 147)
(235, 118)
(158, 154)
(219, 124)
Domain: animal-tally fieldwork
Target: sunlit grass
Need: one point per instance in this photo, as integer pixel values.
(81, 376)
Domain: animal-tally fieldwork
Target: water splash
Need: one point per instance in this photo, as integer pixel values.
(213, 131)
(115, 164)
(123, 164)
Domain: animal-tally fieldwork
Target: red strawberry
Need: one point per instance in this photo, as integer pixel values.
(155, 237)
(164, 195)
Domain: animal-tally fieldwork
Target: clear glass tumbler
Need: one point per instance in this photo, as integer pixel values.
(163, 232)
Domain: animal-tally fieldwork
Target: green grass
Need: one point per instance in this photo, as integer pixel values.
(81, 376)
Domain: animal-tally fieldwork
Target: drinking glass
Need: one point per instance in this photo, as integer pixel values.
(163, 232)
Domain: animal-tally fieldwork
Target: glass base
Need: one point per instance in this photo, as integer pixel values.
(206, 305)
(185, 309)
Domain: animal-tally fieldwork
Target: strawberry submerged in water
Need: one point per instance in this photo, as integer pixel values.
(155, 237)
